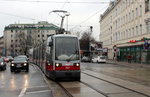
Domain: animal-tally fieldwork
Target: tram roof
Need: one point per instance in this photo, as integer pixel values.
(64, 35)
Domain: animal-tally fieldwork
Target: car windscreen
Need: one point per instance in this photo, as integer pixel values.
(102, 57)
(1, 60)
(67, 48)
(19, 59)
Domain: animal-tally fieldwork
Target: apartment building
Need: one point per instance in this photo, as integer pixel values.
(18, 38)
(1, 45)
(125, 30)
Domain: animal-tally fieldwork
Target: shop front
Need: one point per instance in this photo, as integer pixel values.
(137, 53)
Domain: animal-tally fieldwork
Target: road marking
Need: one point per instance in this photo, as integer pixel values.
(22, 92)
(39, 91)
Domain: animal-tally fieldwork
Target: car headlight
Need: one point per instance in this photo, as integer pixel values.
(25, 64)
(12, 64)
(2, 63)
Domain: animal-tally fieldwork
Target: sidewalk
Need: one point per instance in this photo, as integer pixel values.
(127, 64)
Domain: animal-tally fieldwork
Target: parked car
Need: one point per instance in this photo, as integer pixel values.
(2, 64)
(10, 58)
(86, 59)
(6, 59)
(19, 63)
(99, 59)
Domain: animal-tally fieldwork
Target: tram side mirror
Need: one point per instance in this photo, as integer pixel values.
(50, 44)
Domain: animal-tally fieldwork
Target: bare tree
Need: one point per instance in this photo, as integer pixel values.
(25, 41)
(85, 40)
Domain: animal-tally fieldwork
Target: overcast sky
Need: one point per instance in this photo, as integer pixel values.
(83, 13)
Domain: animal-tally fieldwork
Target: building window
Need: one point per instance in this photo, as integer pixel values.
(126, 18)
(141, 29)
(132, 31)
(136, 30)
(140, 10)
(132, 14)
(136, 12)
(116, 12)
(129, 35)
(11, 35)
(148, 26)
(126, 36)
(12, 46)
(147, 5)
(129, 16)
(38, 35)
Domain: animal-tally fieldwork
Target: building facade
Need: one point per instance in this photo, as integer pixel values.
(125, 30)
(18, 38)
(1, 45)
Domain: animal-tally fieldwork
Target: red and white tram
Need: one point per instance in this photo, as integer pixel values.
(59, 57)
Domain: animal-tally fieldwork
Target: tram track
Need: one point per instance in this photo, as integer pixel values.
(94, 89)
(110, 83)
(65, 90)
(69, 93)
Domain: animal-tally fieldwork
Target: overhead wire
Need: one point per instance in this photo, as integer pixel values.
(38, 1)
(89, 17)
(61, 8)
(8, 14)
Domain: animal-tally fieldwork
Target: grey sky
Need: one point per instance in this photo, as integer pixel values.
(83, 13)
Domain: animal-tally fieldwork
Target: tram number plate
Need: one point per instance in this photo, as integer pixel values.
(67, 67)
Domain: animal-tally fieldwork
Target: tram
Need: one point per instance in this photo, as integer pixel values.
(59, 57)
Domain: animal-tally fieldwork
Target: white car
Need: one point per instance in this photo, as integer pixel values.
(99, 59)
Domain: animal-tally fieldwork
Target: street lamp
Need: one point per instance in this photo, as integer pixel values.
(64, 13)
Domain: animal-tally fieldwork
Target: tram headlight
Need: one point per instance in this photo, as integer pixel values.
(58, 64)
(76, 64)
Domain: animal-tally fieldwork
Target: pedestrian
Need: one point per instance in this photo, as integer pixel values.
(129, 57)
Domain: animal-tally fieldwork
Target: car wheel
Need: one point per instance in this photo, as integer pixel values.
(27, 69)
(12, 70)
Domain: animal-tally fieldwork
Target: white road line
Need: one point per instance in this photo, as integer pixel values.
(39, 91)
(22, 92)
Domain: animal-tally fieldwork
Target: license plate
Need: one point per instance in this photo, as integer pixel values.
(18, 65)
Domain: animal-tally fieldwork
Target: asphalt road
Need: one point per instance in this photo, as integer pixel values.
(22, 84)
(134, 74)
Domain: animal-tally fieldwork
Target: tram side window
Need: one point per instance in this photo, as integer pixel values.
(49, 51)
